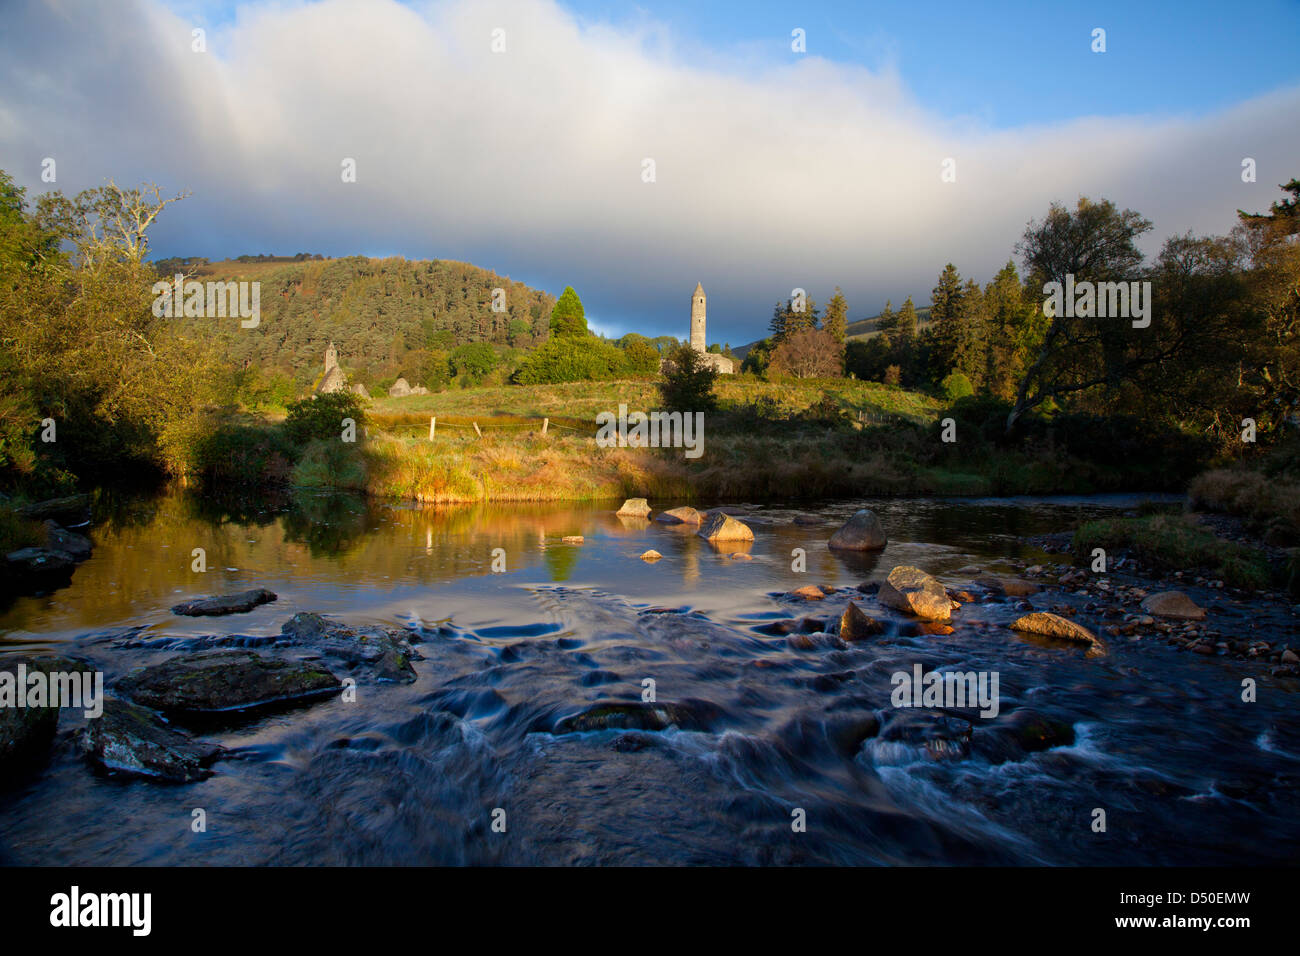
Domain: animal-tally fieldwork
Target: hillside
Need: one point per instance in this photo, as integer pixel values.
(384, 315)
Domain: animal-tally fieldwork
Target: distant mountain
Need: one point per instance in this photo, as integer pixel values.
(382, 314)
(861, 329)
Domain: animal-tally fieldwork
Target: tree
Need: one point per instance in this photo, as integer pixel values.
(1094, 242)
(473, 360)
(687, 384)
(836, 317)
(568, 318)
(791, 316)
(808, 353)
(945, 332)
(886, 322)
(641, 357)
(905, 323)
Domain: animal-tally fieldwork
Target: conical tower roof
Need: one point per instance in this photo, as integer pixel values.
(699, 289)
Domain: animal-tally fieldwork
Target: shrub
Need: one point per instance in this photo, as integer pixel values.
(687, 384)
(570, 358)
(322, 417)
(641, 358)
(473, 360)
(331, 463)
(893, 375)
(242, 455)
(956, 385)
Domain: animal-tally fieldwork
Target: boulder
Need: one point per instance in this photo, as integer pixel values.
(75, 546)
(1173, 604)
(39, 569)
(809, 592)
(722, 527)
(26, 732)
(913, 591)
(682, 515)
(385, 651)
(634, 508)
(856, 625)
(1011, 587)
(1047, 624)
(639, 715)
(217, 683)
(218, 605)
(862, 532)
(651, 555)
(130, 741)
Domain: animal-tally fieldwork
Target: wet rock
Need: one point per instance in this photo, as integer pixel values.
(75, 546)
(935, 735)
(572, 539)
(39, 568)
(739, 556)
(1290, 657)
(803, 625)
(651, 555)
(1175, 605)
(680, 516)
(216, 683)
(809, 592)
(634, 508)
(722, 527)
(862, 532)
(688, 714)
(857, 625)
(386, 651)
(807, 520)
(26, 732)
(1010, 587)
(934, 628)
(1046, 624)
(221, 604)
(913, 591)
(132, 741)
(1021, 732)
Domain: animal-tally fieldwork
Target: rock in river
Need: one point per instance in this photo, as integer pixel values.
(681, 515)
(634, 508)
(856, 625)
(26, 732)
(862, 532)
(1175, 605)
(1046, 624)
(225, 603)
(911, 590)
(135, 742)
(215, 683)
(639, 715)
(722, 527)
(386, 650)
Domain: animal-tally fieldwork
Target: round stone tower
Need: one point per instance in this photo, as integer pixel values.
(697, 318)
(331, 358)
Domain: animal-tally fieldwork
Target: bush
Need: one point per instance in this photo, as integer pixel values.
(473, 360)
(571, 358)
(956, 385)
(687, 384)
(331, 463)
(893, 375)
(322, 417)
(242, 455)
(641, 358)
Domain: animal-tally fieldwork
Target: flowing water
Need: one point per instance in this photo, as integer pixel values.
(1186, 772)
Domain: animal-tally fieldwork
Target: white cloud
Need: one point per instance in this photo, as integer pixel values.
(795, 173)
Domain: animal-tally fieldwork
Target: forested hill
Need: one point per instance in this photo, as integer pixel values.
(382, 314)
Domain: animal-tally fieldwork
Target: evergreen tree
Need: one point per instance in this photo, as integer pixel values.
(567, 318)
(836, 318)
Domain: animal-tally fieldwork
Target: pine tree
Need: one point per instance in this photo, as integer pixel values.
(836, 318)
(945, 333)
(887, 322)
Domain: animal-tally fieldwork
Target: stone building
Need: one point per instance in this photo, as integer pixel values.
(334, 380)
(720, 363)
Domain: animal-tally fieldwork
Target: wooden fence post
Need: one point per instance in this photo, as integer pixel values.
(545, 422)
(476, 428)
(433, 424)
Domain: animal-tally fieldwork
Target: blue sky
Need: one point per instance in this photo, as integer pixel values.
(1011, 63)
(774, 170)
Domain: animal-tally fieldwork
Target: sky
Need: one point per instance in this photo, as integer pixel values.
(774, 168)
